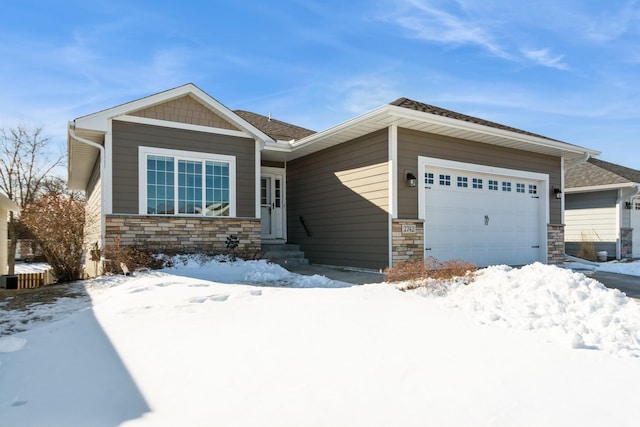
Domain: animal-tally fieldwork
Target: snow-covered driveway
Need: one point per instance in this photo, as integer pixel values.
(172, 348)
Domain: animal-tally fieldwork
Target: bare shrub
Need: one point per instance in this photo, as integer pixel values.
(587, 247)
(140, 257)
(134, 257)
(429, 271)
(56, 220)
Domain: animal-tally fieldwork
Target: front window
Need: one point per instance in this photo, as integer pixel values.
(187, 183)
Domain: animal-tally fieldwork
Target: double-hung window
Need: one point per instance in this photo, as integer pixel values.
(176, 182)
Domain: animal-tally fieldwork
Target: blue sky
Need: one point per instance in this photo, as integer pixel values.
(569, 69)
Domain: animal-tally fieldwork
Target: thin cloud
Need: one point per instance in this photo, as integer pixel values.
(612, 25)
(546, 58)
(428, 23)
(364, 93)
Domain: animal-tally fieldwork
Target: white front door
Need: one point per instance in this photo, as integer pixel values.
(272, 203)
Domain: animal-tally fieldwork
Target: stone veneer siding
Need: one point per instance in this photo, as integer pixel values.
(407, 246)
(555, 243)
(626, 242)
(181, 234)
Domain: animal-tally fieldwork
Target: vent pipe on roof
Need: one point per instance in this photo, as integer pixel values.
(573, 164)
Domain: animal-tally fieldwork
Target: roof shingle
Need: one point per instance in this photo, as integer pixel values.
(276, 129)
(595, 172)
(432, 109)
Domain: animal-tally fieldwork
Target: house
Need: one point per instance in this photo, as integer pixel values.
(6, 205)
(602, 206)
(180, 171)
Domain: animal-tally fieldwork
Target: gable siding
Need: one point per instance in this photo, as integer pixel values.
(185, 109)
(412, 144)
(342, 194)
(127, 137)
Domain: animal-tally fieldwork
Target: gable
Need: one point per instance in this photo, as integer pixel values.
(185, 109)
(595, 172)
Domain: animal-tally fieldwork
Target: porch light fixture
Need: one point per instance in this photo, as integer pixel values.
(627, 205)
(557, 192)
(411, 180)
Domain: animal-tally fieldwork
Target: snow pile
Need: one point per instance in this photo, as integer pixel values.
(571, 307)
(11, 344)
(260, 272)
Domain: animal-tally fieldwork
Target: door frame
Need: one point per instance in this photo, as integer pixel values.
(276, 173)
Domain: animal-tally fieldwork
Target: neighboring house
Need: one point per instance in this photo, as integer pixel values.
(602, 205)
(180, 171)
(6, 205)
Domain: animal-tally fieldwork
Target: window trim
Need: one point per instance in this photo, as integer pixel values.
(143, 152)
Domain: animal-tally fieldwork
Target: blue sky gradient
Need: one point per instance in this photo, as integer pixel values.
(569, 70)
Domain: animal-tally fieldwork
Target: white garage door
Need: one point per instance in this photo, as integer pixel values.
(483, 217)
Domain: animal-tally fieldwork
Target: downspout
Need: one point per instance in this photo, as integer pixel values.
(631, 195)
(585, 157)
(103, 165)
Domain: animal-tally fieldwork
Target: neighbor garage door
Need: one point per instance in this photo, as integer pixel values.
(486, 216)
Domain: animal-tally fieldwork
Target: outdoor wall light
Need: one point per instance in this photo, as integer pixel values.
(627, 205)
(411, 180)
(557, 192)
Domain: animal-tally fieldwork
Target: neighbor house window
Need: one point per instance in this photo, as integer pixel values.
(186, 183)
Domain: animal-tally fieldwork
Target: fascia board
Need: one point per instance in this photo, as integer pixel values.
(594, 188)
(8, 204)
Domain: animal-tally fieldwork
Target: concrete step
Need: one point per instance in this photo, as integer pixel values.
(285, 254)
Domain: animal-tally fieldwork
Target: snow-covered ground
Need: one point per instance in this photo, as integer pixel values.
(248, 343)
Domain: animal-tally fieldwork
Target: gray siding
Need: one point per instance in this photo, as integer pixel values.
(595, 199)
(412, 144)
(342, 194)
(127, 137)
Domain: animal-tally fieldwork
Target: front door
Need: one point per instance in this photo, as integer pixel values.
(272, 204)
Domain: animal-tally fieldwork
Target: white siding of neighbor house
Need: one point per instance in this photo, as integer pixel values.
(591, 224)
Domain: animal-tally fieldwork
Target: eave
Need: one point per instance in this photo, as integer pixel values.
(389, 115)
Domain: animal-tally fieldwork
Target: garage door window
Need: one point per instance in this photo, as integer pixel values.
(463, 182)
(506, 186)
(533, 189)
(428, 178)
(445, 180)
(520, 188)
(493, 185)
(477, 183)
